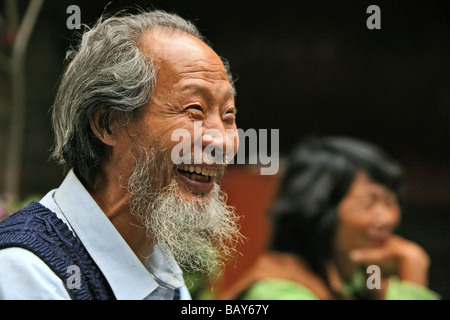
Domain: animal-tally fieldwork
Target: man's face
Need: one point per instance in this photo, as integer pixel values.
(183, 211)
(192, 86)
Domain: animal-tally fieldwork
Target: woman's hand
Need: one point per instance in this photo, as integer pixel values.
(399, 256)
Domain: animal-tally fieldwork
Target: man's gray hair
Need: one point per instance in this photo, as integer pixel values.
(107, 69)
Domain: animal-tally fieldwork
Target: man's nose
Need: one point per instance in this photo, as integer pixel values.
(214, 137)
(217, 136)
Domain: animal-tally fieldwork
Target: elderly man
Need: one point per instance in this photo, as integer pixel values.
(127, 217)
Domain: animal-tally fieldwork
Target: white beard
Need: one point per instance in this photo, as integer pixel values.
(201, 234)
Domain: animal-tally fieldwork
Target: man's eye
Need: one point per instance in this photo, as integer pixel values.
(195, 111)
(195, 108)
(231, 111)
(229, 116)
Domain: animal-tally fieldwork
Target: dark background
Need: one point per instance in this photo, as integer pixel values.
(304, 67)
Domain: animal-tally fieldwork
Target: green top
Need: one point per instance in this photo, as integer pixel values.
(281, 289)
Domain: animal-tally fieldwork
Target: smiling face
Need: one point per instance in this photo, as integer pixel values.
(367, 215)
(181, 206)
(192, 86)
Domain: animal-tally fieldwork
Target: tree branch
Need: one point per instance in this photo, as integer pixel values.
(17, 125)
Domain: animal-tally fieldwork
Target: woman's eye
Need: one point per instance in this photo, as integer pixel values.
(390, 201)
(365, 204)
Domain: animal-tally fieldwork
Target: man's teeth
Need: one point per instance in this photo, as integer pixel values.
(199, 170)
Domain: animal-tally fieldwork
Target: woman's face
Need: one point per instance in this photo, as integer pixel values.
(367, 215)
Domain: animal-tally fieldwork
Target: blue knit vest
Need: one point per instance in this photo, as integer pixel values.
(39, 230)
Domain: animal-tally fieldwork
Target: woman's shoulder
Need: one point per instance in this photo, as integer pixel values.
(278, 289)
(279, 276)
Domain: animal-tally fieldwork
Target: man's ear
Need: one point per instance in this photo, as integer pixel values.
(100, 122)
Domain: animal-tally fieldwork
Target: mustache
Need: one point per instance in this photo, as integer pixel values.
(202, 158)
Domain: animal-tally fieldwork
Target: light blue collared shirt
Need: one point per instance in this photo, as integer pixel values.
(24, 276)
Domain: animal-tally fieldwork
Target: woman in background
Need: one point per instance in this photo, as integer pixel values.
(334, 216)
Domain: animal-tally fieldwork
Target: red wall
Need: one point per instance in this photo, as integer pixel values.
(251, 194)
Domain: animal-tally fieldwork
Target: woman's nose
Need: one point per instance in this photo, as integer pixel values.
(385, 216)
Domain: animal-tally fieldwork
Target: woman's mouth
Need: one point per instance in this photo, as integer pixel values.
(379, 239)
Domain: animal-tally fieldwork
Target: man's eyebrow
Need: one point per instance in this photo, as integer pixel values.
(232, 92)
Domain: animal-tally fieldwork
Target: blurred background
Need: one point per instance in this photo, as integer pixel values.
(303, 67)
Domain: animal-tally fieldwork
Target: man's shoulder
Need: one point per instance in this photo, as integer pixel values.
(39, 230)
(26, 219)
(34, 220)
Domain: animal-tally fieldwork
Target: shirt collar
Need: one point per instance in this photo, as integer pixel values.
(128, 277)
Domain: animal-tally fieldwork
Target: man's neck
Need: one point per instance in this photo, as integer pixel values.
(113, 198)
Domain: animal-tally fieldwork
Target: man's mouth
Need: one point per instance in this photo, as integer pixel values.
(198, 173)
(198, 178)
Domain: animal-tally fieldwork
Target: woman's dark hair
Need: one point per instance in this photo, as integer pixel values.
(318, 175)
